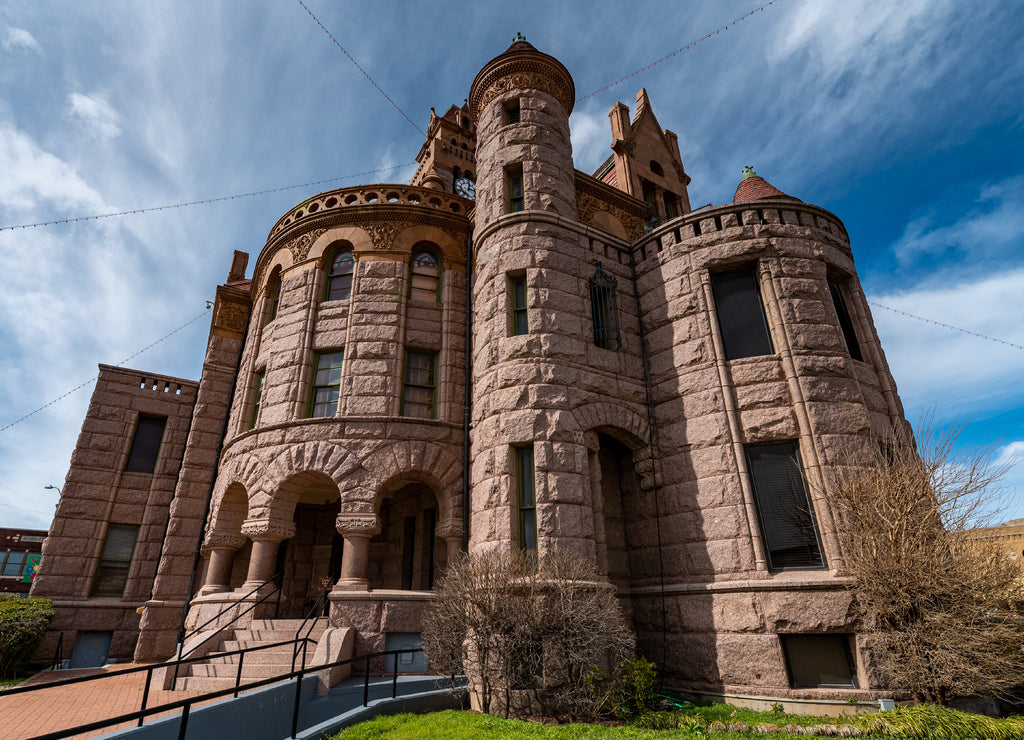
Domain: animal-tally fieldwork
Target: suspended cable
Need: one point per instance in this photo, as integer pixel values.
(204, 202)
(947, 326)
(31, 511)
(689, 46)
(122, 362)
(367, 76)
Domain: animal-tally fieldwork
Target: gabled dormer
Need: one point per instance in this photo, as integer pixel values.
(646, 162)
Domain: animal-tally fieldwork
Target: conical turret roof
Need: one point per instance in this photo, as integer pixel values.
(753, 187)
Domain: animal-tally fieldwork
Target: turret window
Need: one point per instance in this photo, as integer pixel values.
(741, 317)
(339, 275)
(425, 280)
(257, 398)
(604, 309)
(845, 320)
(326, 384)
(514, 188)
(510, 112)
(517, 304)
(526, 501)
(273, 295)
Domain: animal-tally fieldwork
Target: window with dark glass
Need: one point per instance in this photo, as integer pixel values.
(604, 309)
(741, 314)
(526, 501)
(845, 321)
(257, 398)
(419, 391)
(517, 293)
(274, 296)
(425, 280)
(671, 205)
(339, 276)
(510, 112)
(146, 444)
(819, 661)
(115, 560)
(788, 527)
(514, 188)
(326, 384)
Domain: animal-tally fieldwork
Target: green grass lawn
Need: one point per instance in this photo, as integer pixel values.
(6, 683)
(455, 725)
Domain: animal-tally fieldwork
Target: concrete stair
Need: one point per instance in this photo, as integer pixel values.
(218, 672)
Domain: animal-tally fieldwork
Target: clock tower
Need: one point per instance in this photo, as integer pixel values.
(447, 159)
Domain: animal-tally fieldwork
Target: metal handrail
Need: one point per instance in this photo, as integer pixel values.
(186, 704)
(313, 610)
(234, 619)
(58, 654)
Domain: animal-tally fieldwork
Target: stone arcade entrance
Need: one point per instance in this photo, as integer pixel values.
(407, 555)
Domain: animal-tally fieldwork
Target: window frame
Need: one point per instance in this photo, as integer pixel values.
(526, 508)
(105, 561)
(330, 275)
(406, 403)
(514, 178)
(511, 112)
(755, 318)
(604, 310)
(519, 318)
(787, 641)
(769, 513)
(312, 404)
(257, 399)
(274, 295)
(846, 324)
(135, 455)
(431, 251)
(5, 562)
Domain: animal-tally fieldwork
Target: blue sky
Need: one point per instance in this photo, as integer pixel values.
(905, 119)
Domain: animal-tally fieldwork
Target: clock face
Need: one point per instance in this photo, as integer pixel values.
(466, 188)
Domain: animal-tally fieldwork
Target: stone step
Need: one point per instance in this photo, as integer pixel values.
(283, 624)
(244, 644)
(250, 672)
(262, 657)
(275, 635)
(204, 684)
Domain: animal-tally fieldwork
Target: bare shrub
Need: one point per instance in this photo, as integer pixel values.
(942, 608)
(526, 635)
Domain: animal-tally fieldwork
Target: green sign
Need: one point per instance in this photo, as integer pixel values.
(31, 566)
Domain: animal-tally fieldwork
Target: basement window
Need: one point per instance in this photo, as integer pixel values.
(819, 661)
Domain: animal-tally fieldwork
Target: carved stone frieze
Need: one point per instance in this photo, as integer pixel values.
(223, 540)
(383, 233)
(265, 529)
(300, 245)
(231, 316)
(358, 524)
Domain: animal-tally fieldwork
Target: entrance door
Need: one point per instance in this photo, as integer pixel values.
(91, 649)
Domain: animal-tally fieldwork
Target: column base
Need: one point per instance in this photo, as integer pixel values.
(352, 584)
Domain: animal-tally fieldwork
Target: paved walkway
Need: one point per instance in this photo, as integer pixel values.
(60, 707)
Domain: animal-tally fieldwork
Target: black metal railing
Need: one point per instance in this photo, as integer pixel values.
(58, 654)
(185, 705)
(313, 613)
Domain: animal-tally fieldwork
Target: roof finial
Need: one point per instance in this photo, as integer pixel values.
(518, 37)
(748, 172)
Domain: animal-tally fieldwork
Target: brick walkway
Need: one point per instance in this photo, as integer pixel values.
(48, 710)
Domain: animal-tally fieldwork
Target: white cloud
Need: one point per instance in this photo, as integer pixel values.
(96, 113)
(19, 38)
(591, 138)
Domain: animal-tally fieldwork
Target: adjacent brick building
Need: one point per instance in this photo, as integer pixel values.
(19, 557)
(506, 352)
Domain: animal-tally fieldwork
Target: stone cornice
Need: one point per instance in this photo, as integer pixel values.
(522, 70)
(603, 191)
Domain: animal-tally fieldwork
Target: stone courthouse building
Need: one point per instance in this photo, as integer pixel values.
(504, 353)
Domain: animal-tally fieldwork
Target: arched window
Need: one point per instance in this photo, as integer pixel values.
(425, 280)
(273, 295)
(339, 275)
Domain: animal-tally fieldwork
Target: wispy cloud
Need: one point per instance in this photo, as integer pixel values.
(96, 113)
(19, 39)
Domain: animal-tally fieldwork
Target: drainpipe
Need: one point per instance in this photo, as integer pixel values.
(468, 390)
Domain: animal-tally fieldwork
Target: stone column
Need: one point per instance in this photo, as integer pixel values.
(266, 537)
(357, 529)
(221, 549)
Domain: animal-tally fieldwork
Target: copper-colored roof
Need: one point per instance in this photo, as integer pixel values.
(753, 187)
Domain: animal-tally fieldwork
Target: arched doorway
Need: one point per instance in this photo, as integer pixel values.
(314, 553)
(407, 555)
(619, 489)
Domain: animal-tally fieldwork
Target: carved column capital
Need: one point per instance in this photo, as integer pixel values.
(449, 529)
(268, 531)
(364, 525)
(223, 541)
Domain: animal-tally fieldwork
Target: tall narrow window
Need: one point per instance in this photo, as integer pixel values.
(146, 444)
(517, 294)
(257, 398)
(115, 560)
(671, 205)
(741, 314)
(604, 309)
(510, 112)
(425, 280)
(845, 321)
(787, 520)
(514, 188)
(526, 501)
(326, 384)
(274, 295)
(419, 392)
(339, 276)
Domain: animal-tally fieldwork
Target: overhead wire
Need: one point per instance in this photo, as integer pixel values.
(365, 73)
(946, 326)
(206, 201)
(122, 362)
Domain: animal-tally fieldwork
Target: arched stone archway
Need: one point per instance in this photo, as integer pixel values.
(407, 553)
